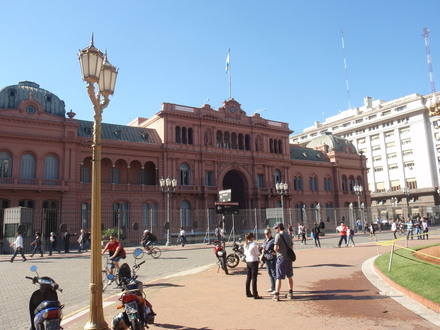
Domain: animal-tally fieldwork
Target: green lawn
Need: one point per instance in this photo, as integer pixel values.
(412, 273)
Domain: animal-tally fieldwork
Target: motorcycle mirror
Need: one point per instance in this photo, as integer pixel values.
(110, 277)
(33, 268)
(137, 253)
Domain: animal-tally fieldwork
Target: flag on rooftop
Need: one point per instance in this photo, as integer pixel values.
(228, 61)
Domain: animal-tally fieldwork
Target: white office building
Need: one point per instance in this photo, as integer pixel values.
(401, 141)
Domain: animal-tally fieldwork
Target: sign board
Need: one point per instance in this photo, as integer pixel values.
(224, 195)
(226, 208)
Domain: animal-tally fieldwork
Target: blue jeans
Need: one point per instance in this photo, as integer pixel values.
(271, 269)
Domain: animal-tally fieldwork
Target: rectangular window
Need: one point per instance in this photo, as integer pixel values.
(411, 183)
(260, 180)
(361, 141)
(389, 134)
(380, 187)
(386, 113)
(372, 117)
(85, 174)
(378, 169)
(391, 144)
(121, 215)
(395, 185)
(209, 178)
(407, 153)
(375, 137)
(409, 164)
(377, 158)
(375, 148)
(393, 166)
(404, 130)
(149, 215)
(392, 155)
(406, 141)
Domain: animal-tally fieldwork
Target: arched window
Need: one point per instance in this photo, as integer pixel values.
(351, 181)
(247, 142)
(121, 214)
(226, 143)
(240, 141)
(184, 136)
(184, 174)
(51, 165)
(276, 176)
(178, 134)
(280, 147)
(234, 140)
(359, 181)
(313, 183)
(271, 145)
(5, 165)
(219, 139)
(27, 168)
(344, 184)
(297, 183)
(185, 214)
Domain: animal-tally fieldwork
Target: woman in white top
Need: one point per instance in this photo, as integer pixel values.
(394, 228)
(18, 247)
(251, 252)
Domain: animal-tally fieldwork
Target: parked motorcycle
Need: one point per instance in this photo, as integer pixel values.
(235, 257)
(220, 253)
(44, 307)
(138, 312)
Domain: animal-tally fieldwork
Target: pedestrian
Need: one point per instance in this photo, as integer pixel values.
(82, 239)
(409, 228)
(316, 231)
(418, 226)
(291, 232)
(217, 233)
(425, 228)
(350, 236)
(358, 224)
(67, 237)
(284, 266)
(372, 230)
(251, 252)
(18, 247)
(322, 228)
(270, 257)
(394, 228)
(342, 229)
(37, 243)
(53, 243)
(300, 229)
(182, 237)
(304, 235)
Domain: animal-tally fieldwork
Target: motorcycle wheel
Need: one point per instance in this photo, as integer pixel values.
(223, 264)
(232, 260)
(136, 325)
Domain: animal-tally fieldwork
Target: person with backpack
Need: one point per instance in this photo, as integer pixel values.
(53, 243)
(37, 243)
(148, 239)
(350, 236)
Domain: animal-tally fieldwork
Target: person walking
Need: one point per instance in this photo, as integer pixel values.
(18, 247)
(342, 229)
(182, 237)
(67, 237)
(350, 236)
(37, 243)
(409, 228)
(270, 257)
(284, 266)
(316, 231)
(251, 252)
(304, 235)
(372, 230)
(82, 239)
(53, 243)
(394, 228)
(425, 228)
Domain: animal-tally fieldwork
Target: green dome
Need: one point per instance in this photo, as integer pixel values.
(333, 142)
(12, 96)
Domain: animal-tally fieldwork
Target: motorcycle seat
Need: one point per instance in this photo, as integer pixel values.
(47, 304)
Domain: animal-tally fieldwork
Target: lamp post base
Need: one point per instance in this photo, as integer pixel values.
(167, 244)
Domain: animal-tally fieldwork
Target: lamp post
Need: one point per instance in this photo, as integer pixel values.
(394, 202)
(282, 190)
(358, 189)
(407, 192)
(97, 70)
(168, 187)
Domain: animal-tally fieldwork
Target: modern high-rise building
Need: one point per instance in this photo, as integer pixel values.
(401, 142)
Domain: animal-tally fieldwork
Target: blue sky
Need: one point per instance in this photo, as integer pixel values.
(286, 55)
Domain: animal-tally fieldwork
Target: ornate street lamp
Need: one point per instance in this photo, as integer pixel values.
(168, 187)
(407, 192)
(96, 69)
(281, 189)
(358, 189)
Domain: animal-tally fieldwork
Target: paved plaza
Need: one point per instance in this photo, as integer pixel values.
(332, 290)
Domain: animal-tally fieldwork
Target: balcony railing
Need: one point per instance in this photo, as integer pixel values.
(40, 184)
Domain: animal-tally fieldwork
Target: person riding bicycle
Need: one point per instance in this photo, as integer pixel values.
(115, 249)
(147, 239)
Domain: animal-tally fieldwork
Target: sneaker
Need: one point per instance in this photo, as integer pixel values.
(276, 296)
(289, 295)
(273, 292)
(269, 290)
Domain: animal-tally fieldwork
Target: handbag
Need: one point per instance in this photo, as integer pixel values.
(290, 253)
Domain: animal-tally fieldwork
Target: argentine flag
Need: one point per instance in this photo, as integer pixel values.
(227, 61)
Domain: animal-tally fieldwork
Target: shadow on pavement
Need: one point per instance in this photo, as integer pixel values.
(163, 285)
(324, 265)
(175, 326)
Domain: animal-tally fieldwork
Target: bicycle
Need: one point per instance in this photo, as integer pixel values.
(106, 279)
(154, 251)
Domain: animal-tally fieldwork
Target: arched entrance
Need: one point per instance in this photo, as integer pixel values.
(235, 181)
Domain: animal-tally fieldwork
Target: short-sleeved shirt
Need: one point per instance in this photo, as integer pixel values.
(282, 253)
(112, 246)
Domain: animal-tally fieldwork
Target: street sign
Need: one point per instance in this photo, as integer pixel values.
(224, 195)
(226, 208)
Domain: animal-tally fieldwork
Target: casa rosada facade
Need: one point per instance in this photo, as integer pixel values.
(46, 161)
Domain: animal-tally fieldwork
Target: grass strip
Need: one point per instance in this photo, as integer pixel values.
(416, 275)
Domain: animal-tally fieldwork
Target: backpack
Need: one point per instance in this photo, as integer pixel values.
(122, 253)
(153, 238)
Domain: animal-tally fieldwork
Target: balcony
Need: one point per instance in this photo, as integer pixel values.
(34, 184)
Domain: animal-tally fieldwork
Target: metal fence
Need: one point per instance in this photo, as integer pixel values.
(198, 224)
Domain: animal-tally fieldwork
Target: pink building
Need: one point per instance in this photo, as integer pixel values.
(45, 165)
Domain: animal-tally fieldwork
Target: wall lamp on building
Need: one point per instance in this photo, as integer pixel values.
(282, 189)
(96, 69)
(168, 187)
(407, 193)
